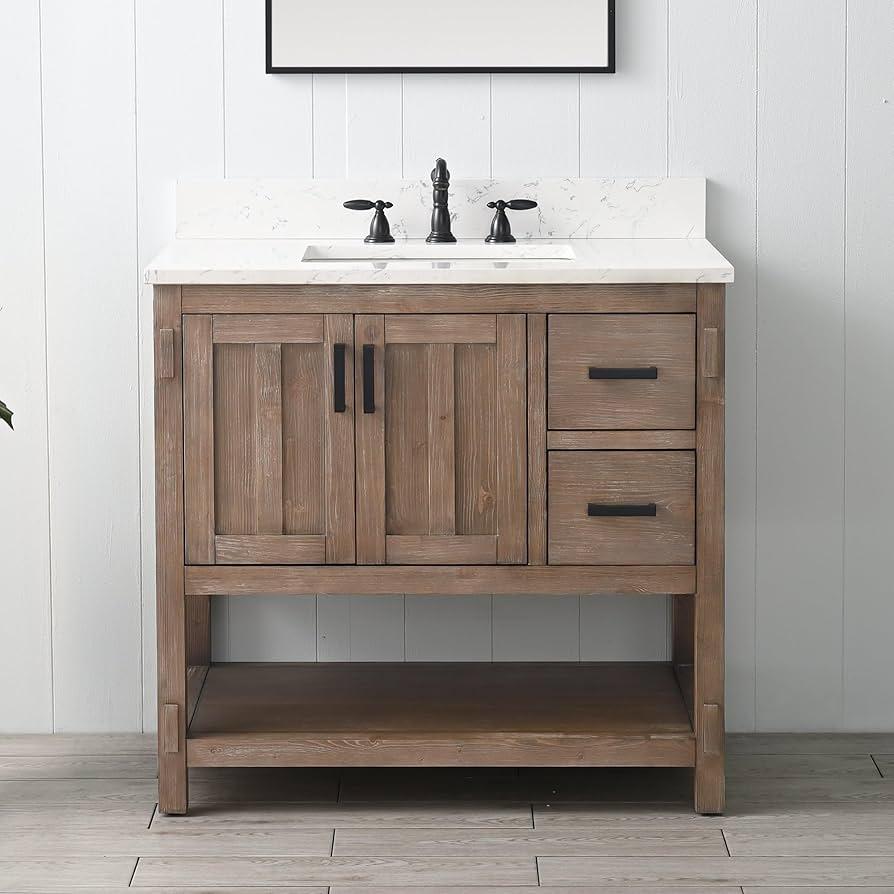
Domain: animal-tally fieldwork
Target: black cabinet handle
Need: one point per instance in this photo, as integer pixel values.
(369, 378)
(634, 372)
(621, 510)
(338, 375)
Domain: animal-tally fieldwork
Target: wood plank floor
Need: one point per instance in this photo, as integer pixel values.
(813, 814)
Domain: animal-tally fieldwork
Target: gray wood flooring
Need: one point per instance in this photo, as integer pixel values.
(812, 813)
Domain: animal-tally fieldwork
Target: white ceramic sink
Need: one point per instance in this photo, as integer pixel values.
(457, 253)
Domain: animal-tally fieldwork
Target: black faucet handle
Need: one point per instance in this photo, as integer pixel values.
(379, 229)
(367, 205)
(513, 204)
(500, 231)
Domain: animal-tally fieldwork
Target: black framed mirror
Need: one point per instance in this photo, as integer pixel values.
(347, 36)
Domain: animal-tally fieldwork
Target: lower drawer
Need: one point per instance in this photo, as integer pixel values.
(613, 507)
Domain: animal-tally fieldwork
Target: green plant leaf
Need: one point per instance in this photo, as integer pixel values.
(5, 414)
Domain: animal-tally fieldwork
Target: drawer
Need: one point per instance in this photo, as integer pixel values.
(621, 371)
(621, 507)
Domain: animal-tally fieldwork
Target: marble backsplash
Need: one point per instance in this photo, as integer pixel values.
(568, 208)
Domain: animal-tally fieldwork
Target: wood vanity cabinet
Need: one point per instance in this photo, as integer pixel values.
(450, 441)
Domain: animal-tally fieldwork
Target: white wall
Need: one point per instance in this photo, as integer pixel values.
(786, 105)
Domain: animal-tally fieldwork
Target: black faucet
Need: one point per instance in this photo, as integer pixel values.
(379, 229)
(500, 231)
(440, 215)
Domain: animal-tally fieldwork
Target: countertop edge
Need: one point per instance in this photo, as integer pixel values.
(611, 277)
(186, 262)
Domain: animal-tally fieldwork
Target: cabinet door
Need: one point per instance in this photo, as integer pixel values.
(441, 439)
(269, 438)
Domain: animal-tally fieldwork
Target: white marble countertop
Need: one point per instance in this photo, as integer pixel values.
(212, 261)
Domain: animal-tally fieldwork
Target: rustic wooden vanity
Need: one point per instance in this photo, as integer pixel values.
(449, 440)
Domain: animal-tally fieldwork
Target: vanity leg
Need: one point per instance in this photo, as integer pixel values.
(708, 640)
(170, 598)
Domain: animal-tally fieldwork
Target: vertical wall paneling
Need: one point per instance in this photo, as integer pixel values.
(26, 696)
(800, 427)
(180, 133)
(623, 120)
(447, 629)
(536, 628)
(270, 628)
(269, 118)
(329, 125)
(869, 608)
(373, 112)
(360, 628)
(618, 628)
(712, 132)
(536, 125)
(220, 629)
(794, 134)
(606, 623)
(92, 372)
(447, 116)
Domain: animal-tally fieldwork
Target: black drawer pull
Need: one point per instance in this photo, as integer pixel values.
(338, 372)
(634, 372)
(369, 378)
(621, 510)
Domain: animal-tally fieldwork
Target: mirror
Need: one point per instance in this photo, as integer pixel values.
(460, 35)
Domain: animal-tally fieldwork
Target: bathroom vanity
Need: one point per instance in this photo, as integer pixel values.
(544, 418)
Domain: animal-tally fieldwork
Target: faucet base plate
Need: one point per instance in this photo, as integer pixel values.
(449, 237)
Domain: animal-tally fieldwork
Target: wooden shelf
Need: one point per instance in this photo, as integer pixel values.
(501, 714)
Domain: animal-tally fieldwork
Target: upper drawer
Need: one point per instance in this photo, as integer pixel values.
(621, 371)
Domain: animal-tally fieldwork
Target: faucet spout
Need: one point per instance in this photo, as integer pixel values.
(440, 215)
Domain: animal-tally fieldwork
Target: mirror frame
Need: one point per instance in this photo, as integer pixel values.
(291, 69)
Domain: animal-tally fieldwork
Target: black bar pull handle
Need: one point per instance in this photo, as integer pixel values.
(369, 378)
(622, 510)
(338, 375)
(633, 372)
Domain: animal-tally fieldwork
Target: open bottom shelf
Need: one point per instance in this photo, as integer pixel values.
(445, 714)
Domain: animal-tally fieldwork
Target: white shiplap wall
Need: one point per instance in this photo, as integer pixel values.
(788, 108)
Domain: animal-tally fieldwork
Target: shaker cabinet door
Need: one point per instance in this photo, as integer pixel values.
(269, 438)
(441, 439)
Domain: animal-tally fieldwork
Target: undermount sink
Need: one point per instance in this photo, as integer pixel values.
(437, 254)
